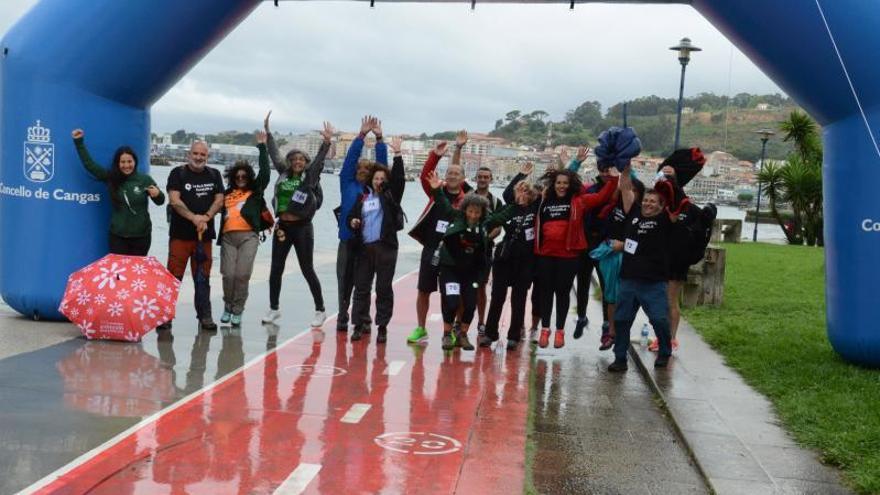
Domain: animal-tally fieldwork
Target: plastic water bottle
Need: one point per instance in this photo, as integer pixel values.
(644, 339)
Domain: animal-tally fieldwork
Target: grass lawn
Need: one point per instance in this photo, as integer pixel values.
(771, 329)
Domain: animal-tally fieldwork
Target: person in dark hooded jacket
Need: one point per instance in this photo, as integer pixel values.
(295, 202)
(375, 219)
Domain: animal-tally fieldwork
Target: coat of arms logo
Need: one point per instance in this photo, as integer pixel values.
(39, 154)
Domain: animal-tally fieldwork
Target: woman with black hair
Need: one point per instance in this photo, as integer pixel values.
(463, 258)
(559, 242)
(297, 198)
(240, 224)
(130, 226)
(375, 219)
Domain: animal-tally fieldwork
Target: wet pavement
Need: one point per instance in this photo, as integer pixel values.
(597, 432)
(316, 414)
(732, 429)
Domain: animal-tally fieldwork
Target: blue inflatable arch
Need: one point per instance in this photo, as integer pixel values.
(101, 64)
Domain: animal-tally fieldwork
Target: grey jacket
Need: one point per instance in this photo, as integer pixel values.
(309, 196)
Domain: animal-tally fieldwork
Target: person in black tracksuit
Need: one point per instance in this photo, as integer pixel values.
(375, 220)
(513, 264)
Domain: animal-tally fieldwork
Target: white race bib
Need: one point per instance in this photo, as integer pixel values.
(453, 289)
(300, 197)
(630, 246)
(371, 205)
(442, 225)
(530, 234)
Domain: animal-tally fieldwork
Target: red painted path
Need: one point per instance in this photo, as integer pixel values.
(434, 422)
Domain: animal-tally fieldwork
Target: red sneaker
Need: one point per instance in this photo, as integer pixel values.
(654, 345)
(544, 339)
(606, 343)
(559, 338)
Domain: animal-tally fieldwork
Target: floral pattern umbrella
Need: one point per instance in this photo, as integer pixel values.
(120, 297)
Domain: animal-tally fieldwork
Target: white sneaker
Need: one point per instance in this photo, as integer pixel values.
(272, 316)
(319, 319)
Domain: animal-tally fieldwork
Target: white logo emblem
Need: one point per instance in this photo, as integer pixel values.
(635, 220)
(188, 187)
(39, 154)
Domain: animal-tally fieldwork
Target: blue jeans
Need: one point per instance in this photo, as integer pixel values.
(652, 298)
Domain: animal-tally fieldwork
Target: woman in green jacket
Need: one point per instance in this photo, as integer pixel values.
(240, 223)
(130, 226)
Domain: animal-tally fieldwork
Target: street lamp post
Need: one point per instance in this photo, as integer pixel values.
(765, 135)
(684, 49)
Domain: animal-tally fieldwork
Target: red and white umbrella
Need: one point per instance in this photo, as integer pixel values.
(120, 297)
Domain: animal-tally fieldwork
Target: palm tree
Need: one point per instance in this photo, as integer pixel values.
(801, 129)
(773, 184)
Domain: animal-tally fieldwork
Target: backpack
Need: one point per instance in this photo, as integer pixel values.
(699, 234)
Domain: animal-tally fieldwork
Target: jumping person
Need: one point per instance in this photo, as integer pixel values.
(195, 195)
(130, 226)
(514, 261)
(644, 271)
(296, 201)
(462, 256)
(429, 230)
(559, 242)
(240, 224)
(376, 218)
(352, 179)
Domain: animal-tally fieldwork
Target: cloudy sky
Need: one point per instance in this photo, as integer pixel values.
(433, 67)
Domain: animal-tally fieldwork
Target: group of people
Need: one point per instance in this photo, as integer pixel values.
(557, 229)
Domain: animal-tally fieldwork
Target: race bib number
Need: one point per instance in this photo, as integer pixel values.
(453, 289)
(530, 234)
(300, 197)
(442, 225)
(630, 246)
(371, 205)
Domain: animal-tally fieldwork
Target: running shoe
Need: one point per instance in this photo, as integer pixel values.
(319, 319)
(448, 341)
(559, 338)
(235, 320)
(512, 345)
(272, 316)
(618, 366)
(418, 335)
(484, 341)
(544, 340)
(533, 335)
(208, 324)
(481, 330)
(654, 345)
(579, 327)
(606, 343)
(227, 316)
(382, 335)
(461, 340)
(357, 334)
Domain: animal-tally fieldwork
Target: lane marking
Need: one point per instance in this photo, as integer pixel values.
(418, 443)
(394, 367)
(95, 452)
(298, 480)
(355, 413)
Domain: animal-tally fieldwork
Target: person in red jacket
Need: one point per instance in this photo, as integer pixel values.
(560, 241)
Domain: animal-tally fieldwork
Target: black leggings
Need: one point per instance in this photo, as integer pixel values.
(466, 297)
(301, 236)
(584, 278)
(555, 278)
(513, 273)
(132, 246)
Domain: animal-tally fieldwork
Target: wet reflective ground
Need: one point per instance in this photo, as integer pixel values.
(318, 415)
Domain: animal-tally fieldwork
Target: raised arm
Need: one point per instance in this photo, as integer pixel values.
(431, 166)
(440, 198)
(381, 147)
(90, 165)
(348, 174)
(398, 177)
(597, 199)
(510, 191)
(313, 173)
(461, 139)
(262, 181)
(278, 161)
(575, 164)
(627, 194)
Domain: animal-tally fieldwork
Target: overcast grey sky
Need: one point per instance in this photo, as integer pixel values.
(433, 67)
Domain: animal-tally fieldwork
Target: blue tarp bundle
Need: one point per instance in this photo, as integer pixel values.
(617, 146)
